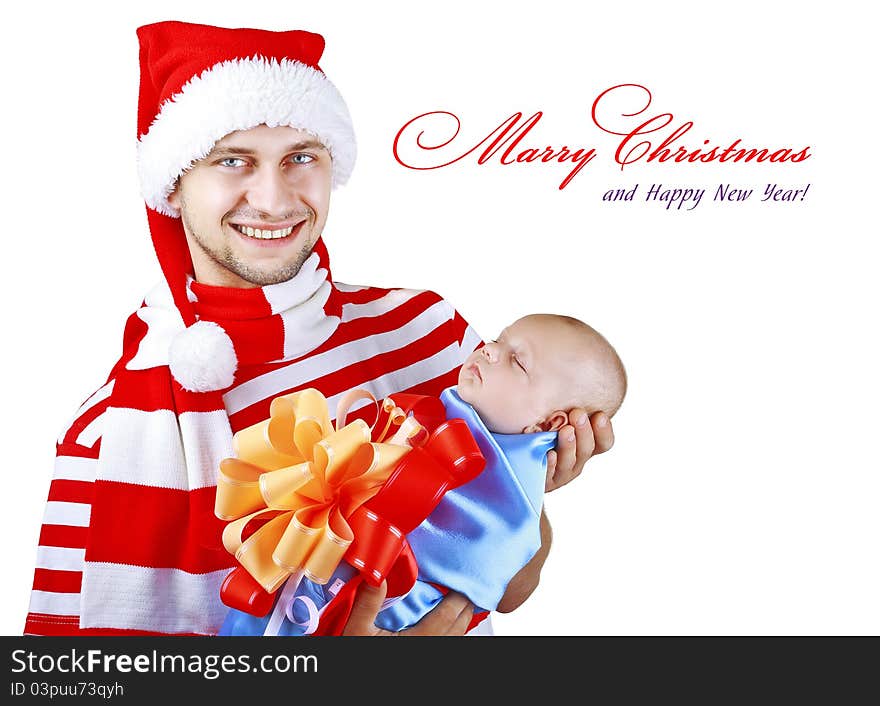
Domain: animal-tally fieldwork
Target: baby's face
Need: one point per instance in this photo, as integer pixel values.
(516, 383)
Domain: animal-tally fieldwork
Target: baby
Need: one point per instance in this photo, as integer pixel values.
(542, 366)
(514, 394)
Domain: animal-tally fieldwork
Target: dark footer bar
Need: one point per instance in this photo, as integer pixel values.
(239, 670)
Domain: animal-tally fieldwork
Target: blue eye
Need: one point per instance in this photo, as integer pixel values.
(232, 162)
(302, 158)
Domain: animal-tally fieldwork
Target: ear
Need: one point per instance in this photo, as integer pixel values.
(554, 422)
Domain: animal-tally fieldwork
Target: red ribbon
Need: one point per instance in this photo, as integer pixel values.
(448, 458)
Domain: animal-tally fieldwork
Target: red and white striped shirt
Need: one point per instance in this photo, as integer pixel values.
(388, 340)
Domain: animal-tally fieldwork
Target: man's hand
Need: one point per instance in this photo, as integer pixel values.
(525, 581)
(451, 616)
(580, 439)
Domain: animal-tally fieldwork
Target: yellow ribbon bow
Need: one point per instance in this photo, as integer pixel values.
(298, 479)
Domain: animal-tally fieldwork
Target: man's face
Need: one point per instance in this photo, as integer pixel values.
(254, 207)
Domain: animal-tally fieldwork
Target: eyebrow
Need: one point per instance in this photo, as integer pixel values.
(230, 150)
(521, 345)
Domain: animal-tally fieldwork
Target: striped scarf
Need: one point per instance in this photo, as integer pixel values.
(156, 563)
(159, 437)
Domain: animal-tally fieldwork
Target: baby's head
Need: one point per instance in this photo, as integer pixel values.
(541, 367)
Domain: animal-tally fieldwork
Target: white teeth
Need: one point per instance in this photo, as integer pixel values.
(264, 234)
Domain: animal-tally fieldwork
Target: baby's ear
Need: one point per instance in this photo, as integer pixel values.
(554, 422)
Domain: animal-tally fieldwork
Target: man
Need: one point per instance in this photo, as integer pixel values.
(241, 137)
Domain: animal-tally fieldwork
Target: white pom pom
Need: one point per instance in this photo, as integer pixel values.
(202, 358)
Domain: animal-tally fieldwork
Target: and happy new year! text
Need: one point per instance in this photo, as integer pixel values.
(689, 197)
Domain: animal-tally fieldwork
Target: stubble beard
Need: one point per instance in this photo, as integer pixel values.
(226, 258)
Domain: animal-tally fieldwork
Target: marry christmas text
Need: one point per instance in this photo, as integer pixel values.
(620, 110)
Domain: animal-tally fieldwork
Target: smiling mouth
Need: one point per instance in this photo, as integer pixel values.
(263, 234)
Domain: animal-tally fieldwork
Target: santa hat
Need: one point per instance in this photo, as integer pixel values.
(198, 84)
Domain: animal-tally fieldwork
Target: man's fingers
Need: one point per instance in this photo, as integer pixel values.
(460, 626)
(573, 447)
(566, 455)
(451, 616)
(446, 617)
(364, 609)
(550, 482)
(602, 432)
(585, 439)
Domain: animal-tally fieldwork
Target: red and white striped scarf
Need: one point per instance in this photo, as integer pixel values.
(158, 436)
(149, 538)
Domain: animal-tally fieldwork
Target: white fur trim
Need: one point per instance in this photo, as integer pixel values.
(238, 95)
(202, 358)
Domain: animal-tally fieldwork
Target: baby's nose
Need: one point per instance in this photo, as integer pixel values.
(489, 352)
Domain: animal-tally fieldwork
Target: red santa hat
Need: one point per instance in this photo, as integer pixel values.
(198, 84)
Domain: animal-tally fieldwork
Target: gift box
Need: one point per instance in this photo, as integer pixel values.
(314, 508)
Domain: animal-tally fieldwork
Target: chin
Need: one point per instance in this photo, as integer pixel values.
(462, 388)
(264, 277)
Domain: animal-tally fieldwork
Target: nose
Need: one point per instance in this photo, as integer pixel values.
(490, 352)
(270, 193)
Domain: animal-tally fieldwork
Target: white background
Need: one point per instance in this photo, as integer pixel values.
(742, 494)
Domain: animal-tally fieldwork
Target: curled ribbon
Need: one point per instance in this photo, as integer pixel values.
(296, 480)
(310, 624)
